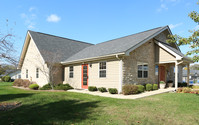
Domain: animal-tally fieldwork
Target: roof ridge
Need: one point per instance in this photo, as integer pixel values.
(61, 37)
(130, 35)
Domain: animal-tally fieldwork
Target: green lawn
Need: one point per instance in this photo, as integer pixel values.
(73, 108)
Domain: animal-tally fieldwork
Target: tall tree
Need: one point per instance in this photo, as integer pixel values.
(192, 41)
(6, 46)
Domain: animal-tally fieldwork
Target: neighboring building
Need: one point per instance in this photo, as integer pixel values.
(193, 77)
(15, 75)
(140, 58)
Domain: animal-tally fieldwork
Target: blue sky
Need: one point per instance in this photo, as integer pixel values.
(95, 21)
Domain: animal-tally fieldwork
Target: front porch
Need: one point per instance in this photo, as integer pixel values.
(172, 71)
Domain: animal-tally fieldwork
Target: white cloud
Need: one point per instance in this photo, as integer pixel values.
(162, 7)
(31, 9)
(172, 26)
(29, 20)
(53, 18)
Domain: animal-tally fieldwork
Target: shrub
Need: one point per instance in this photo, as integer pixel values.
(92, 88)
(186, 90)
(140, 88)
(184, 84)
(195, 87)
(18, 82)
(162, 82)
(102, 89)
(25, 83)
(155, 86)
(6, 78)
(129, 89)
(63, 87)
(113, 90)
(46, 87)
(149, 87)
(34, 86)
(179, 90)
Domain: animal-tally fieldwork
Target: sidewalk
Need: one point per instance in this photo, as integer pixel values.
(121, 96)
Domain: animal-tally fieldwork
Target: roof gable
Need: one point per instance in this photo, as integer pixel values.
(50, 45)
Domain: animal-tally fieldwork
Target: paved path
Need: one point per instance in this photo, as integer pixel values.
(120, 96)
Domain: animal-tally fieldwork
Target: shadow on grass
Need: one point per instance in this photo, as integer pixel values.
(8, 97)
(61, 112)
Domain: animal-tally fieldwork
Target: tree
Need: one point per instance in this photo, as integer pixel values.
(192, 41)
(6, 47)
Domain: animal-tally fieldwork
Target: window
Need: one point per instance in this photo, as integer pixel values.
(19, 76)
(71, 72)
(26, 73)
(102, 69)
(37, 72)
(143, 71)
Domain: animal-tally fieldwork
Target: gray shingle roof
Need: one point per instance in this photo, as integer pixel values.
(114, 46)
(64, 47)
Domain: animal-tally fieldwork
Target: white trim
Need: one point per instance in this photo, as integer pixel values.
(176, 75)
(120, 76)
(145, 40)
(90, 59)
(99, 70)
(165, 62)
(178, 57)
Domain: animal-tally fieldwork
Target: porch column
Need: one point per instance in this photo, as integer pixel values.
(188, 73)
(176, 75)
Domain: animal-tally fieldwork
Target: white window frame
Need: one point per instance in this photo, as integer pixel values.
(71, 72)
(142, 64)
(102, 69)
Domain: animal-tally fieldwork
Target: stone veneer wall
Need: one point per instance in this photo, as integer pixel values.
(143, 54)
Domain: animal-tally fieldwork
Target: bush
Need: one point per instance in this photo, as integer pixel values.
(184, 84)
(63, 87)
(46, 87)
(155, 86)
(92, 88)
(148, 87)
(186, 90)
(113, 90)
(195, 87)
(179, 90)
(25, 83)
(102, 89)
(140, 88)
(129, 89)
(6, 78)
(18, 82)
(34, 86)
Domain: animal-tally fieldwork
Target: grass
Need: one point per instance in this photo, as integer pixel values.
(74, 108)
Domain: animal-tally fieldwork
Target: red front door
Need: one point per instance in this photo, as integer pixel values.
(85, 76)
(162, 73)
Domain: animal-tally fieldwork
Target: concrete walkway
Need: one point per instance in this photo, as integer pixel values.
(121, 96)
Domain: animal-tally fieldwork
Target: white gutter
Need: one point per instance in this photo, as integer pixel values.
(92, 58)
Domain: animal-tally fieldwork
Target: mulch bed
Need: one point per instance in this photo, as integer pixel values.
(39, 90)
(5, 106)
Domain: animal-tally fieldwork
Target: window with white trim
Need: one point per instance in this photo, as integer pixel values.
(142, 70)
(37, 72)
(71, 72)
(26, 73)
(102, 69)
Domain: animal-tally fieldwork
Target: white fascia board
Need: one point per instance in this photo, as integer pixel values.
(178, 57)
(91, 59)
(144, 41)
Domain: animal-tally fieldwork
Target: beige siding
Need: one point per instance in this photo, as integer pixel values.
(111, 80)
(32, 61)
(162, 55)
(76, 80)
(112, 75)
